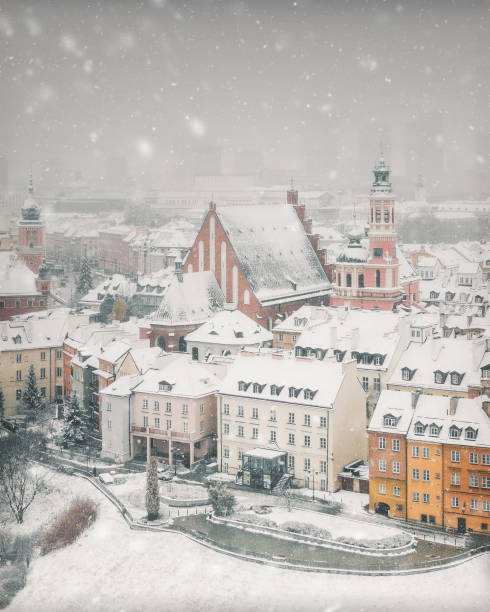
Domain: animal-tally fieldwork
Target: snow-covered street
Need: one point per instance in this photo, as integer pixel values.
(113, 568)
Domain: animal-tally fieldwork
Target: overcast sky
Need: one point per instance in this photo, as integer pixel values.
(307, 84)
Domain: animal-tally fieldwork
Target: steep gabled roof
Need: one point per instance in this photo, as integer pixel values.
(273, 250)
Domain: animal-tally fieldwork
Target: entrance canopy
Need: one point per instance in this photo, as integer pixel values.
(263, 467)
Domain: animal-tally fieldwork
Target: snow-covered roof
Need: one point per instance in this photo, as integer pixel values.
(284, 371)
(304, 317)
(397, 404)
(113, 351)
(191, 298)
(118, 284)
(20, 335)
(446, 355)
(273, 250)
(15, 277)
(230, 328)
(426, 261)
(122, 386)
(469, 267)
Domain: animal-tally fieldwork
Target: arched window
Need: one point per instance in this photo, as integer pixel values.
(223, 269)
(378, 278)
(211, 244)
(161, 342)
(246, 296)
(349, 280)
(361, 280)
(234, 285)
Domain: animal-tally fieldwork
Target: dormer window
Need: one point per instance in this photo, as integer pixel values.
(378, 359)
(454, 432)
(293, 392)
(238, 334)
(366, 358)
(300, 352)
(17, 339)
(434, 430)
(309, 394)
(485, 372)
(276, 390)
(164, 386)
(243, 386)
(478, 299)
(407, 373)
(389, 420)
(440, 377)
(456, 378)
(339, 355)
(257, 388)
(419, 428)
(470, 433)
(355, 355)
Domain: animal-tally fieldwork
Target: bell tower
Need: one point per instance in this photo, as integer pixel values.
(31, 232)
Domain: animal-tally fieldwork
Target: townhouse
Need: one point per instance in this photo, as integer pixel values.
(287, 332)
(279, 413)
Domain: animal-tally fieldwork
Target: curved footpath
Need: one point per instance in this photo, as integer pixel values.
(274, 560)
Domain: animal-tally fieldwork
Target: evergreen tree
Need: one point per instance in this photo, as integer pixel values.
(32, 400)
(75, 422)
(222, 500)
(106, 309)
(2, 403)
(152, 490)
(85, 282)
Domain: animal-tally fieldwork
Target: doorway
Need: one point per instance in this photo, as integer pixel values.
(461, 525)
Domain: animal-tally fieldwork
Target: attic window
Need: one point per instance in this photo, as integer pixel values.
(434, 295)
(407, 373)
(276, 390)
(434, 430)
(389, 420)
(419, 428)
(164, 386)
(238, 334)
(293, 392)
(17, 339)
(470, 433)
(355, 355)
(456, 378)
(339, 355)
(257, 388)
(454, 432)
(309, 394)
(478, 299)
(378, 359)
(440, 377)
(243, 386)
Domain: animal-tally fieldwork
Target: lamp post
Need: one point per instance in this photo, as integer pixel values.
(312, 472)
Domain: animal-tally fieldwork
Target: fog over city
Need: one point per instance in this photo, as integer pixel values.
(122, 94)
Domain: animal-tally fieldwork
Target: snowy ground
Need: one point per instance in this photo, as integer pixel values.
(335, 525)
(111, 568)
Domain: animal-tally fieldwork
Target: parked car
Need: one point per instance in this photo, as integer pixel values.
(164, 474)
(106, 478)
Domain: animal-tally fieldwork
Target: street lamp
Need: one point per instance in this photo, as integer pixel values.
(312, 472)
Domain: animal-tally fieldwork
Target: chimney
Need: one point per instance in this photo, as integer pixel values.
(355, 338)
(212, 206)
(486, 406)
(416, 393)
(453, 402)
(333, 336)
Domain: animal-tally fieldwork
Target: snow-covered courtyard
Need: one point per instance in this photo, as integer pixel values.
(114, 568)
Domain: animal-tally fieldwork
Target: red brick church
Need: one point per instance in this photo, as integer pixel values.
(264, 257)
(367, 271)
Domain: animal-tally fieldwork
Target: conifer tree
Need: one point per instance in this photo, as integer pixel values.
(75, 426)
(152, 490)
(85, 282)
(2, 403)
(32, 400)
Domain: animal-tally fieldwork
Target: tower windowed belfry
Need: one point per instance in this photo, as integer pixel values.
(31, 231)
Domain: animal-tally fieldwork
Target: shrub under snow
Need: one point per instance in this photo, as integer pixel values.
(66, 529)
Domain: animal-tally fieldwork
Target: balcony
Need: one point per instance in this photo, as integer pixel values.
(158, 432)
(138, 428)
(180, 434)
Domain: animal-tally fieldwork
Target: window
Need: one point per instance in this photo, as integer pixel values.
(185, 409)
(201, 426)
(201, 408)
(415, 474)
(18, 394)
(382, 465)
(378, 278)
(439, 377)
(416, 496)
(473, 480)
(291, 462)
(454, 432)
(365, 383)
(307, 464)
(396, 491)
(395, 444)
(226, 452)
(273, 437)
(455, 479)
(426, 475)
(272, 416)
(323, 467)
(226, 409)
(243, 386)
(168, 407)
(108, 407)
(18, 358)
(43, 391)
(454, 502)
(349, 280)
(419, 428)
(18, 375)
(157, 423)
(474, 504)
(255, 433)
(381, 443)
(186, 426)
(455, 456)
(425, 452)
(307, 420)
(485, 482)
(226, 429)
(257, 388)
(109, 424)
(292, 392)
(323, 442)
(255, 413)
(406, 374)
(145, 421)
(415, 451)
(377, 384)
(389, 420)
(43, 355)
(156, 405)
(291, 438)
(470, 433)
(59, 372)
(309, 394)
(281, 337)
(42, 373)
(474, 458)
(382, 489)
(434, 430)
(426, 498)
(307, 441)
(323, 421)
(485, 459)
(377, 252)
(164, 386)
(145, 404)
(486, 505)
(455, 378)
(59, 354)
(240, 411)
(240, 432)
(395, 466)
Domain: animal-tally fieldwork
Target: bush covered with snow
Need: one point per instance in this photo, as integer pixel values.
(254, 520)
(394, 541)
(222, 500)
(68, 527)
(306, 529)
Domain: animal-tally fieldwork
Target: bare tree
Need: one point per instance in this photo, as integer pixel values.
(19, 483)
